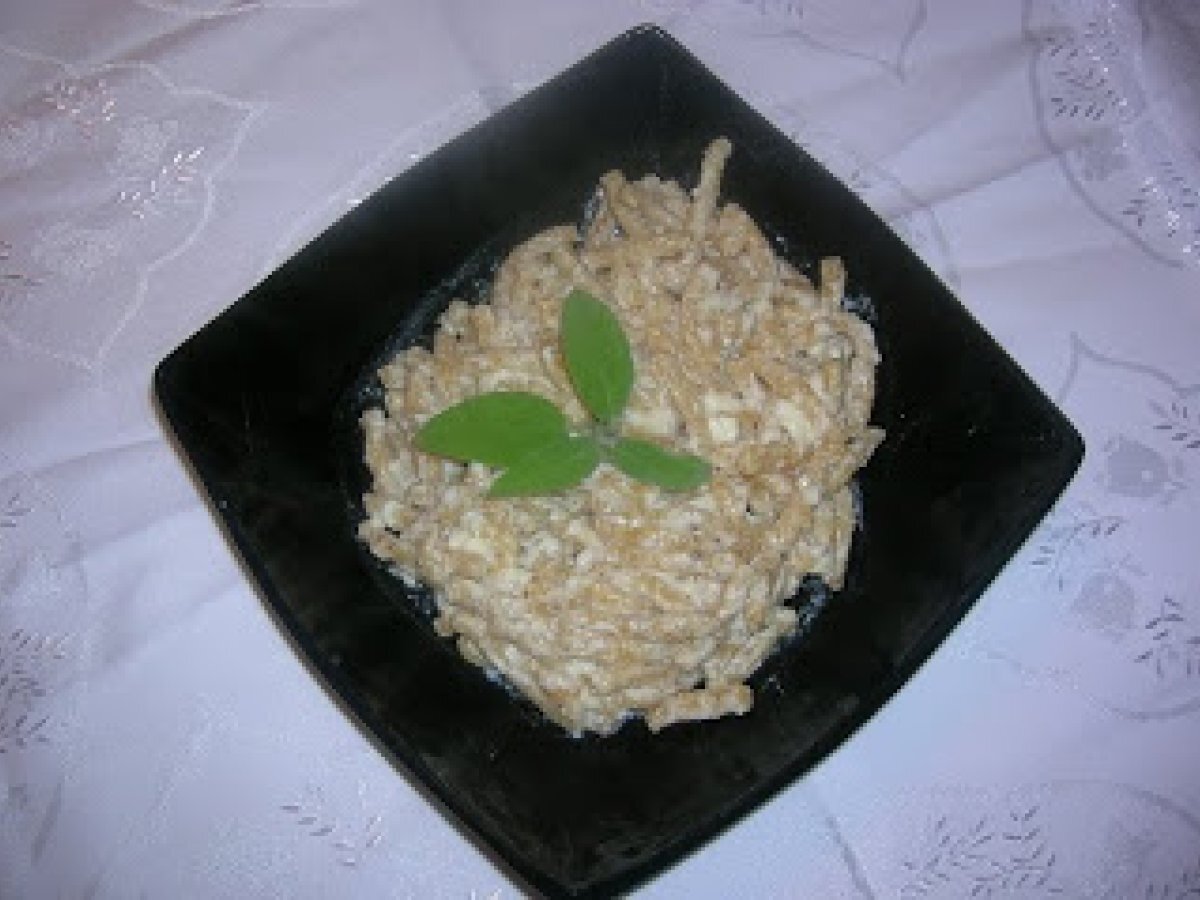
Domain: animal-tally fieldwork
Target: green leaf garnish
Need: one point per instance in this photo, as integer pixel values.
(496, 429)
(654, 465)
(596, 354)
(550, 468)
(529, 437)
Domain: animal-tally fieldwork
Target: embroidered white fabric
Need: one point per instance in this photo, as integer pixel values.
(158, 737)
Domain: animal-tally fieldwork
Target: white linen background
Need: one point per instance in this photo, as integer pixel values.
(158, 737)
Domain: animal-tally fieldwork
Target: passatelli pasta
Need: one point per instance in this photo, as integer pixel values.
(616, 598)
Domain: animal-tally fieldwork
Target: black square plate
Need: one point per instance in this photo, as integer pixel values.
(262, 401)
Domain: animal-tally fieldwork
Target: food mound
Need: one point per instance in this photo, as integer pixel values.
(616, 598)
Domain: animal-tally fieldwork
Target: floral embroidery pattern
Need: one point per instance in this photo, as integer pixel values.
(1082, 86)
(86, 101)
(172, 185)
(23, 658)
(13, 283)
(1061, 839)
(1116, 600)
(43, 655)
(1183, 886)
(1115, 149)
(349, 842)
(1174, 642)
(1058, 543)
(41, 590)
(13, 508)
(136, 157)
(1176, 421)
(985, 858)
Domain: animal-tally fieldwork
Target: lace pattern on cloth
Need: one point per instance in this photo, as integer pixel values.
(135, 158)
(1116, 86)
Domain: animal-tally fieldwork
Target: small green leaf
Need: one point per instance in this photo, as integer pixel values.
(596, 354)
(652, 464)
(555, 466)
(496, 429)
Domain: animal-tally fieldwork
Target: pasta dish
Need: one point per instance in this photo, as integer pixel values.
(616, 599)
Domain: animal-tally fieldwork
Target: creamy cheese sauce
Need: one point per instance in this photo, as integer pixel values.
(617, 599)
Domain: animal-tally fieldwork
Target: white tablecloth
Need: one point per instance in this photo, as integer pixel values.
(158, 736)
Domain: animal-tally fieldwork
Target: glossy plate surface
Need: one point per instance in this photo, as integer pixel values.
(263, 402)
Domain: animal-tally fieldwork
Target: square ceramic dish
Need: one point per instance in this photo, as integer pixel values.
(264, 399)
